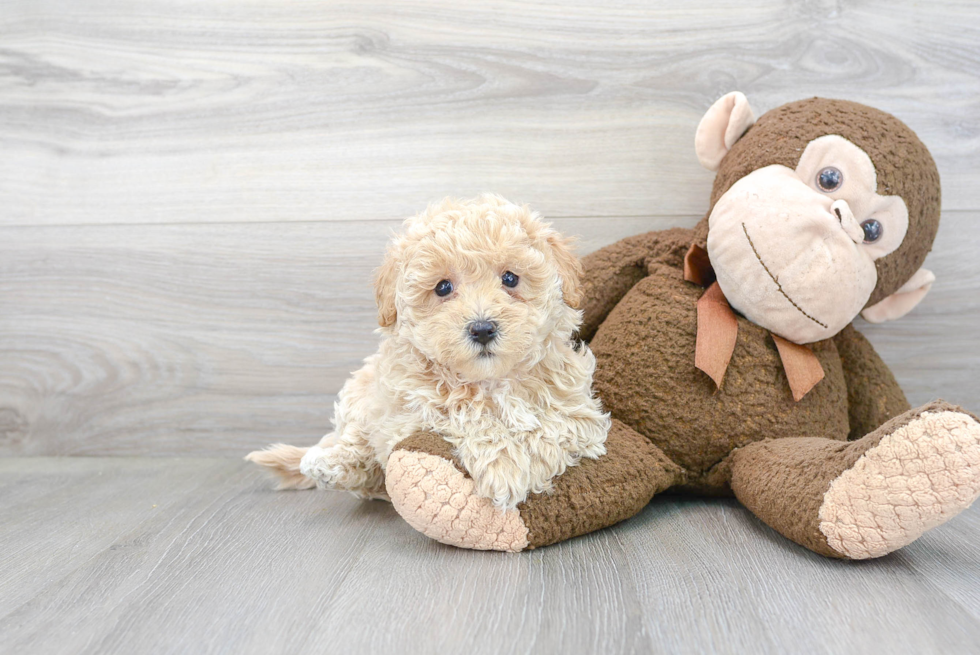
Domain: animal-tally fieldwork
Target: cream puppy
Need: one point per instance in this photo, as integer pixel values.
(476, 305)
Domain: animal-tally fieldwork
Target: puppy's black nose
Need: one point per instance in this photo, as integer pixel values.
(483, 331)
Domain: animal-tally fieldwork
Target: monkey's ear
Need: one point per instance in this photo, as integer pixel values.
(721, 127)
(385, 283)
(902, 301)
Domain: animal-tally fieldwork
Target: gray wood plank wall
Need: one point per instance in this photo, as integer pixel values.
(193, 195)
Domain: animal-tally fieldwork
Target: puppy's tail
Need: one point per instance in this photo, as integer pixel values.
(283, 461)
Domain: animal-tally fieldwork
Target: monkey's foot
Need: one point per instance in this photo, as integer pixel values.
(436, 496)
(923, 470)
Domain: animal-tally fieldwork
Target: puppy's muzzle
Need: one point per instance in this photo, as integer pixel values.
(483, 332)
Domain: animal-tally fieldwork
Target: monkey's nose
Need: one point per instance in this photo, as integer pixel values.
(483, 331)
(842, 211)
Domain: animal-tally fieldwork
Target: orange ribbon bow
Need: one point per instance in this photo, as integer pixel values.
(718, 331)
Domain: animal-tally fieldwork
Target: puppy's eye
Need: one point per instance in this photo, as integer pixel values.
(872, 230)
(829, 179)
(509, 279)
(444, 288)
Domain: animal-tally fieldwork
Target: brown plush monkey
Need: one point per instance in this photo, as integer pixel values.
(759, 384)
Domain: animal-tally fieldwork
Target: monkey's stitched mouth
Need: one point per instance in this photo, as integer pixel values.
(772, 277)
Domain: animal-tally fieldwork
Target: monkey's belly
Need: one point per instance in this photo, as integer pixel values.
(646, 378)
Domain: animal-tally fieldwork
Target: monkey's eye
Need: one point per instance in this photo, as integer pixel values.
(829, 179)
(509, 279)
(444, 288)
(872, 230)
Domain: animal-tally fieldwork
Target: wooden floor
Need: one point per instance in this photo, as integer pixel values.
(191, 555)
(192, 199)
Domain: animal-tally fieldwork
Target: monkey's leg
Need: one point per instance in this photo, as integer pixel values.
(869, 497)
(435, 496)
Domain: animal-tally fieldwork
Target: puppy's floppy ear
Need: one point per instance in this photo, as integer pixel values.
(385, 282)
(569, 267)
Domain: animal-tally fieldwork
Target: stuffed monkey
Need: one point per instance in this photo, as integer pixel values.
(727, 357)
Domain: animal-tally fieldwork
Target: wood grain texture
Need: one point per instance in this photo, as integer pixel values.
(218, 339)
(200, 556)
(167, 111)
(193, 196)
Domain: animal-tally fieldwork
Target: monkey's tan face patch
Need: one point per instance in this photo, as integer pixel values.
(783, 259)
(916, 478)
(791, 248)
(858, 188)
(436, 499)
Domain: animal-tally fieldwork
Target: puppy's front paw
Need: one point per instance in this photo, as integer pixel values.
(505, 479)
(593, 450)
(340, 467)
(509, 470)
(319, 467)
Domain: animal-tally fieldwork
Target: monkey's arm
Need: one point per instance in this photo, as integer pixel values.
(433, 492)
(608, 273)
(873, 395)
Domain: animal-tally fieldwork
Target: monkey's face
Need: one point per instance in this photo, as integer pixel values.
(794, 250)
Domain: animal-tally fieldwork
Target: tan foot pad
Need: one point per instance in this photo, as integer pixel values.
(436, 499)
(919, 476)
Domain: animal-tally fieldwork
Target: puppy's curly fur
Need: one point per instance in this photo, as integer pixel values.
(518, 409)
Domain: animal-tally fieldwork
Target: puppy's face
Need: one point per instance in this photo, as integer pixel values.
(478, 286)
